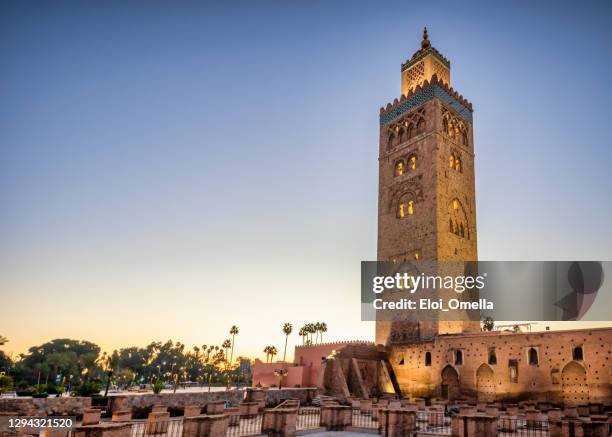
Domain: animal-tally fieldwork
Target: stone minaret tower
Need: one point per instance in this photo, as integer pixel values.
(426, 197)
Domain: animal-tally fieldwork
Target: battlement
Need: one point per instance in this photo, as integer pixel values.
(337, 343)
(420, 54)
(421, 94)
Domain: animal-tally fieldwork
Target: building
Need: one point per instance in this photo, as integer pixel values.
(427, 210)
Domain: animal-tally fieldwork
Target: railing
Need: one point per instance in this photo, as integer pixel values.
(163, 428)
(433, 422)
(308, 418)
(364, 419)
(247, 425)
(516, 426)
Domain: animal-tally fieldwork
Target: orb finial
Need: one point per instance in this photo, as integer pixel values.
(425, 44)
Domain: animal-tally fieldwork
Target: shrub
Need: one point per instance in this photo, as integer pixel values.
(87, 389)
(6, 383)
(158, 386)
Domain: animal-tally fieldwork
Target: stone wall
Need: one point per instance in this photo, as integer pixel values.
(135, 402)
(28, 406)
(556, 377)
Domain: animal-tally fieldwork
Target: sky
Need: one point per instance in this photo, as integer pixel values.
(170, 169)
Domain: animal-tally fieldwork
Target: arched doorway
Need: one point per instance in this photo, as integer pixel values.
(574, 384)
(450, 383)
(485, 383)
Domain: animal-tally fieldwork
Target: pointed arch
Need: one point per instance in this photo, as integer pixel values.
(485, 383)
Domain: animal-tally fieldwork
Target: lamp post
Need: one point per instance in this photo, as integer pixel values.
(280, 373)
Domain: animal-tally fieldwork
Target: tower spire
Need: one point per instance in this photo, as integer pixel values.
(425, 44)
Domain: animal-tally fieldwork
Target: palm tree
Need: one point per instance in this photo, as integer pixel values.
(3, 340)
(233, 332)
(317, 329)
(267, 352)
(226, 345)
(273, 352)
(302, 334)
(287, 329)
(323, 329)
(109, 363)
(311, 330)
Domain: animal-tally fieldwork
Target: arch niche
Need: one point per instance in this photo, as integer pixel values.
(450, 383)
(485, 383)
(574, 385)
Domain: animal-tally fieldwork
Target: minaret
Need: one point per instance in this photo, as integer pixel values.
(426, 197)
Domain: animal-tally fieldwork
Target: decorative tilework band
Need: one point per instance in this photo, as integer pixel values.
(423, 96)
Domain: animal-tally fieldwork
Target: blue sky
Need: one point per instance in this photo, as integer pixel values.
(208, 164)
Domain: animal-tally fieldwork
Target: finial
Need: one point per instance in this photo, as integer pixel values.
(425, 44)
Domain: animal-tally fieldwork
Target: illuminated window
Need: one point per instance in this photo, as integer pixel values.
(405, 205)
(428, 359)
(417, 255)
(455, 204)
(399, 168)
(452, 162)
(458, 164)
(413, 163)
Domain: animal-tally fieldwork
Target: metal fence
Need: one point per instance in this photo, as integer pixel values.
(364, 419)
(308, 418)
(433, 423)
(164, 428)
(247, 425)
(517, 426)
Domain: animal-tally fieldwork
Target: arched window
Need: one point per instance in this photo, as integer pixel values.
(577, 353)
(452, 162)
(450, 225)
(533, 357)
(417, 255)
(458, 358)
(399, 168)
(458, 164)
(492, 356)
(405, 205)
(461, 230)
(428, 358)
(412, 163)
(421, 126)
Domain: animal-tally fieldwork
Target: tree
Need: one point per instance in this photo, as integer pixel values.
(287, 329)
(226, 345)
(317, 329)
(323, 329)
(3, 340)
(6, 383)
(233, 332)
(302, 334)
(488, 324)
(109, 363)
(273, 352)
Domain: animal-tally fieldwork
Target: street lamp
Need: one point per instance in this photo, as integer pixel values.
(280, 373)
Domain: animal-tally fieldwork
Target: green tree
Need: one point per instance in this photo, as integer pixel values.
(287, 329)
(109, 363)
(6, 383)
(488, 324)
